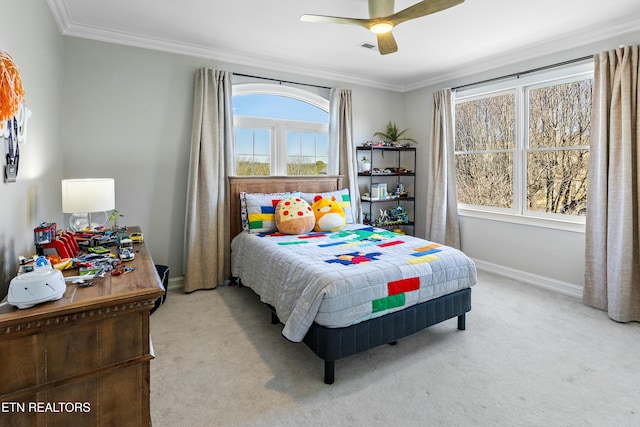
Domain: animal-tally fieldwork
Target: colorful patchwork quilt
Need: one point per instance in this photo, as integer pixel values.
(342, 278)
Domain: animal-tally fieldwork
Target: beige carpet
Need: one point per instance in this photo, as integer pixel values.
(529, 357)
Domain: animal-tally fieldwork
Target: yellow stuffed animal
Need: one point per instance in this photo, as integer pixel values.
(329, 214)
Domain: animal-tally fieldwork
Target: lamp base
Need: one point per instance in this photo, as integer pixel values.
(87, 221)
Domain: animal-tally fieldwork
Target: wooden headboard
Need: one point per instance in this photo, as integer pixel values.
(275, 184)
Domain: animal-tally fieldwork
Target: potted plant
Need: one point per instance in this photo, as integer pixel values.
(393, 135)
(365, 163)
(114, 217)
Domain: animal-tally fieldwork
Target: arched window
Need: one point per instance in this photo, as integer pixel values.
(280, 130)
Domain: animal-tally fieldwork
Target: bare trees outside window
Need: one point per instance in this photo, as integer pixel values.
(485, 144)
(525, 149)
(558, 153)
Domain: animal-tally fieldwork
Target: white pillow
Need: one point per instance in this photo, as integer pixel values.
(342, 197)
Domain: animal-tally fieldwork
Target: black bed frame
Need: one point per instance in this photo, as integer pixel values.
(331, 344)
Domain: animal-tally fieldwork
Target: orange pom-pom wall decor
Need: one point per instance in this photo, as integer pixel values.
(11, 91)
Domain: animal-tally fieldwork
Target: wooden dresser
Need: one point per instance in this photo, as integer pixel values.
(82, 360)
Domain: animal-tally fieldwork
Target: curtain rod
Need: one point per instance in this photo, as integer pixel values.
(281, 81)
(533, 70)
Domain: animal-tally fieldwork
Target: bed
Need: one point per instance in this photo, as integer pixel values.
(345, 292)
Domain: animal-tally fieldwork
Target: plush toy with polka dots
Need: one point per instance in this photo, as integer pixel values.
(294, 216)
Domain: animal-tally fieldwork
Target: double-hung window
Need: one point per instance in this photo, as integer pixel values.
(280, 130)
(522, 148)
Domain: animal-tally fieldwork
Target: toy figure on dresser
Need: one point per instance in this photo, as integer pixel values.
(125, 248)
(49, 242)
(114, 218)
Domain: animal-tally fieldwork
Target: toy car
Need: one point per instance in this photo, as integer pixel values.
(126, 243)
(136, 237)
(98, 250)
(125, 254)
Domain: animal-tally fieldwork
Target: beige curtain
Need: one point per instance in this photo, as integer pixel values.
(341, 129)
(612, 271)
(207, 251)
(442, 204)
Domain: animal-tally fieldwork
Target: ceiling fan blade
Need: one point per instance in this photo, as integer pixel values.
(423, 8)
(387, 43)
(336, 20)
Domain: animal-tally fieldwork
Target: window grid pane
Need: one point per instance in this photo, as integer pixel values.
(485, 179)
(485, 141)
(253, 152)
(557, 181)
(305, 156)
(486, 124)
(560, 115)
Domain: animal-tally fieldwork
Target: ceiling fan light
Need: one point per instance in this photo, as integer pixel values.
(381, 28)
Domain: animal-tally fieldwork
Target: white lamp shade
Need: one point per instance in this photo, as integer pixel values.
(88, 195)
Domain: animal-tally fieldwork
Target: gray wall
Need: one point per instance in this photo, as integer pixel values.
(29, 34)
(127, 115)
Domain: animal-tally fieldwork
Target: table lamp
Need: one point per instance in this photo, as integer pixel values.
(87, 200)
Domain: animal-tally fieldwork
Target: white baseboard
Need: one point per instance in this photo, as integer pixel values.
(531, 279)
(176, 284)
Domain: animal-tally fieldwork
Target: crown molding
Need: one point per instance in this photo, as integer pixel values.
(60, 14)
(244, 58)
(280, 64)
(574, 40)
(237, 57)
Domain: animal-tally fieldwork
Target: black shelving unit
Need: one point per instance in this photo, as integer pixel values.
(392, 166)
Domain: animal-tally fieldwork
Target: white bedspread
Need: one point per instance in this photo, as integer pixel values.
(342, 278)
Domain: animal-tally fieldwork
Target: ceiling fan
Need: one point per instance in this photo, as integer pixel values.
(382, 19)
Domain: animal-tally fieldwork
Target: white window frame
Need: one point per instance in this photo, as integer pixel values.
(280, 127)
(519, 214)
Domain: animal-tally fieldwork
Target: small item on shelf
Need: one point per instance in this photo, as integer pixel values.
(392, 135)
(400, 191)
(365, 164)
(384, 217)
(394, 216)
(379, 190)
(398, 215)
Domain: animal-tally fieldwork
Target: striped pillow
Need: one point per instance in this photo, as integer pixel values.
(260, 210)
